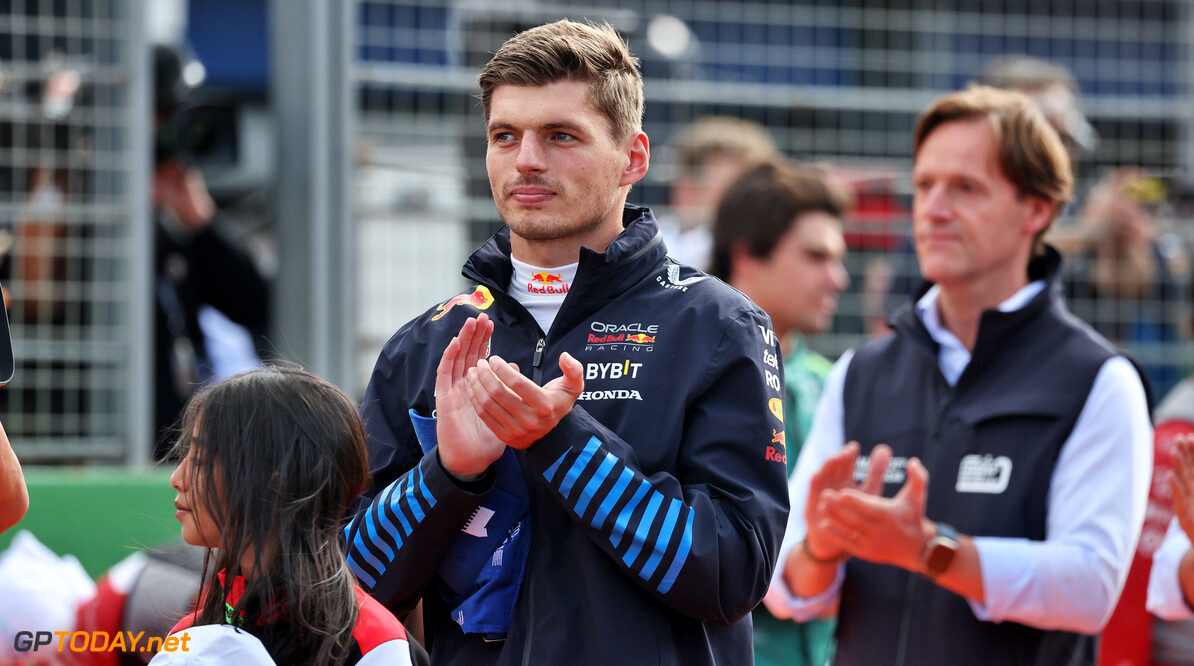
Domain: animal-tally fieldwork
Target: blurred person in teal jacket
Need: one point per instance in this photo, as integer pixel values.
(777, 238)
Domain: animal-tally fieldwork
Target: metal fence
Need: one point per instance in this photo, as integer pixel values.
(74, 250)
(837, 82)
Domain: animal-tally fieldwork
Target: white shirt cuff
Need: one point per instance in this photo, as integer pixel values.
(1165, 598)
(787, 606)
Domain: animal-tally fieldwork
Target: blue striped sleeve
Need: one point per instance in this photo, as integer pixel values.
(664, 526)
(611, 498)
(378, 539)
(579, 465)
(681, 557)
(661, 542)
(644, 528)
(624, 517)
(594, 483)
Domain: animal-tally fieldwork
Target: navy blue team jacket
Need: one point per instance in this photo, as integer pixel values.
(657, 505)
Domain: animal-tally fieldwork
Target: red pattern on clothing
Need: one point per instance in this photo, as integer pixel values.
(375, 625)
(1127, 639)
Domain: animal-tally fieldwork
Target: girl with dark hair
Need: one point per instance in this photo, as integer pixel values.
(271, 461)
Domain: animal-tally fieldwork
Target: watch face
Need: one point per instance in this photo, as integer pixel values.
(940, 556)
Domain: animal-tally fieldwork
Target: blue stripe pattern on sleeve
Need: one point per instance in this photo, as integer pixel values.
(378, 539)
(371, 526)
(383, 517)
(615, 494)
(550, 474)
(623, 518)
(594, 483)
(410, 502)
(674, 520)
(681, 556)
(396, 508)
(425, 491)
(665, 534)
(579, 465)
(644, 527)
(358, 546)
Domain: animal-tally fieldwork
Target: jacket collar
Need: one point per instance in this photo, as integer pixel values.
(995, 327)
(600, 277)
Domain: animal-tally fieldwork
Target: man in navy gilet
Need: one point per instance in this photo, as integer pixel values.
(973, 486)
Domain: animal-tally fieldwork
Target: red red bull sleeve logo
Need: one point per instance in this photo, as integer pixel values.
(480, 299)
(780, 453)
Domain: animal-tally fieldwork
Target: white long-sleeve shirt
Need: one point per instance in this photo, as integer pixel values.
(1096, 501)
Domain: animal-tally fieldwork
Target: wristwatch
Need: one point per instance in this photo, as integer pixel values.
(939, 552)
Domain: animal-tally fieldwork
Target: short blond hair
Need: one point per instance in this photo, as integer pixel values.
(1030, 152)
(717, 136)
(571, 51)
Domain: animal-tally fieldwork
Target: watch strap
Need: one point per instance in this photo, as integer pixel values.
(940, 551)
(947, 531)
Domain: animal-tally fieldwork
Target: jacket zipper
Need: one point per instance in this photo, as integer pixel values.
(943, 406)
(537, 377)
(536, 369)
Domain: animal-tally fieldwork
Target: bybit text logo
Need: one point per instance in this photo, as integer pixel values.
(612, 370)
(98, 641)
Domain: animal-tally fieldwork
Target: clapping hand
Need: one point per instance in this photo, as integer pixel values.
(824, 541)
(467, 447)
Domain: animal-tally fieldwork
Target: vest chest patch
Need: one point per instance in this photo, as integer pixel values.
(984, 474)
(895, 473)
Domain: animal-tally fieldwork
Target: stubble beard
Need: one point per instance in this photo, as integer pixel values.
(539, 227)
(550, 229)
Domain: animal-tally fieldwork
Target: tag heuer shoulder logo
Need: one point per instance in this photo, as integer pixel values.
(984, 474)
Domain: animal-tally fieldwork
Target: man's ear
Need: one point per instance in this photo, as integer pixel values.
(1039, 213)
(639, 153)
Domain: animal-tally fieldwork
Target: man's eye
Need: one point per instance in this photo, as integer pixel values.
(562, 136)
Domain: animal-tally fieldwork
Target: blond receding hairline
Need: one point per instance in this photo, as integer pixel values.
(572, 51)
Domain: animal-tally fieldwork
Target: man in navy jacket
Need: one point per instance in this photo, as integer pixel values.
(581, 459)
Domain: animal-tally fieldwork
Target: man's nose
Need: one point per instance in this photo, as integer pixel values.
(530, 156)
(932, 203)
(838, 276)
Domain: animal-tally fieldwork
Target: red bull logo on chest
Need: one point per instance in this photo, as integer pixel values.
(480, 299)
